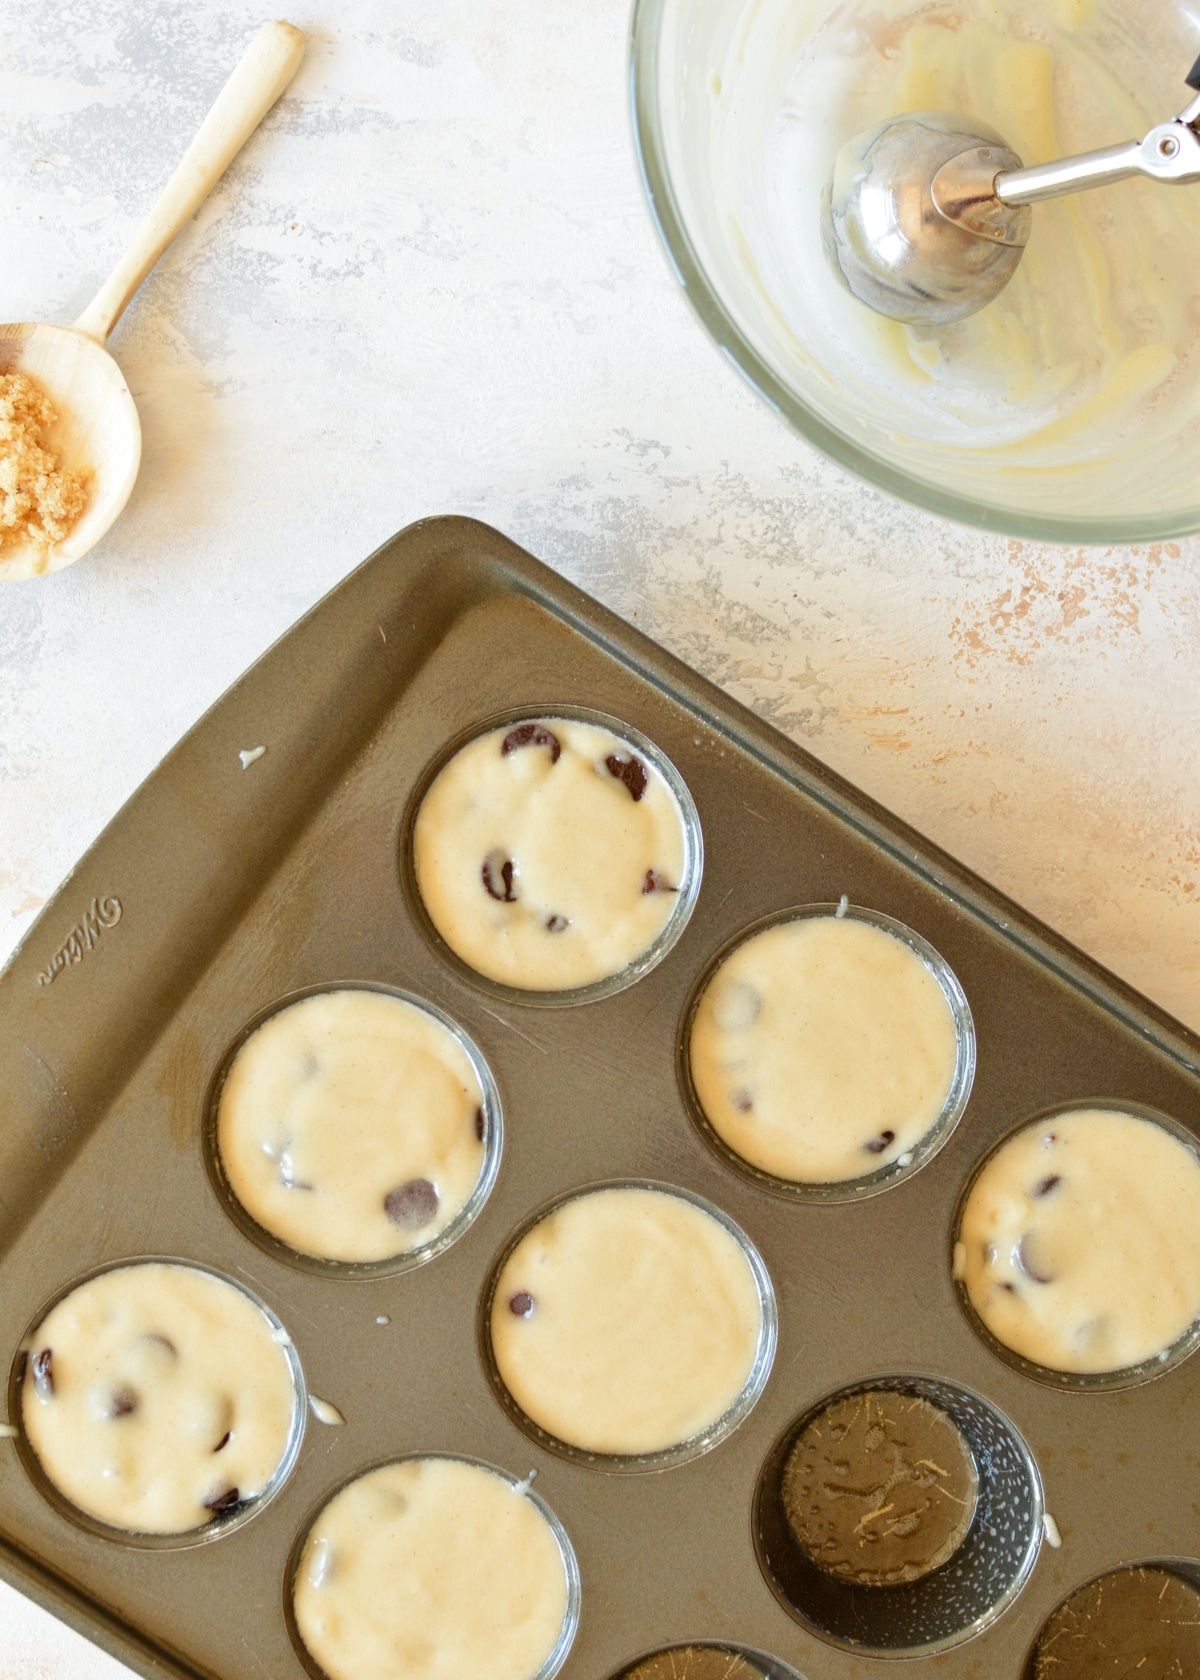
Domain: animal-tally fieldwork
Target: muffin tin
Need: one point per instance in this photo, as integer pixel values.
(221, 890)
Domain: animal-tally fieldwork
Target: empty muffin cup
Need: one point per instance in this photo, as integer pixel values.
(927, 1580)
(1141, 1621)
(354, 1129)
(554, 855)
(707, 1662)
(1077, 1246)
(158, 1402)
(827, 1052)
(629, 1326)
(428, 1566)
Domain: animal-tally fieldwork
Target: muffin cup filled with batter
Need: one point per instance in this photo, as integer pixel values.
(554, 856)
(827, 1052)
(628, 1326)
(431, 1567)
(898, 1517)
(1076, 1250)
(158, 1402)
(354, 1129)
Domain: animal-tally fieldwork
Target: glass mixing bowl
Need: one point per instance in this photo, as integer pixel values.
(1068, 409)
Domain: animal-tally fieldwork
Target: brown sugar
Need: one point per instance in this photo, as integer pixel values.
(39, 499)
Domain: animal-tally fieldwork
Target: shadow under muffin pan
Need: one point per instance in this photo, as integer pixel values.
(685, 892)
(492, 1139)
(912, 1159)
(25, 1370)
(219, 891)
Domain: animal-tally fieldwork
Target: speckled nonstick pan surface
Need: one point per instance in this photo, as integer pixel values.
(219, 889)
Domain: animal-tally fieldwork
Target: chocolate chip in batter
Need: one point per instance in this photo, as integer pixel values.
(224, 1441)
(123, 1403)
(221, 1504)
(43, 1373)
(1027, 1259)
(629, 770)
(1044, 1186)
(479, 1124)
(412, 1205)
(742, 1101)
(654, 882)
(521, 1304)
(877, 1145)
(531, 735)
(557, 924)
(497, 875)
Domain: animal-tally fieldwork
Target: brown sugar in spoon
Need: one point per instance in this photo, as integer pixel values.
(97, 431)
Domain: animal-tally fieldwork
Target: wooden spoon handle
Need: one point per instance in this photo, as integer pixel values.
(270, 62)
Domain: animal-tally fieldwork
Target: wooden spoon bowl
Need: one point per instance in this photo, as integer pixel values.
(97, 432)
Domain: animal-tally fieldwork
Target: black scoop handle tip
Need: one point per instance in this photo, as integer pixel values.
(1194, 79)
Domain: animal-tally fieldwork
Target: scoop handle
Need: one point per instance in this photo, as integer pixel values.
(268, 65)
(1193, 80)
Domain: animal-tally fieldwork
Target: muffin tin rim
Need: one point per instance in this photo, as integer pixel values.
(352, 1270)
(682, 1452)
(566, 1548)
(140, 1539)
(608, 985)
(835, 1191)
(1072, 1382)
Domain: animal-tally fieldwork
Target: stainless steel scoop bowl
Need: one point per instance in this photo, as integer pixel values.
(926, 219)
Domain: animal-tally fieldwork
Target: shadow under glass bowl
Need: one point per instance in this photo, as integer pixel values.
(1060, 412)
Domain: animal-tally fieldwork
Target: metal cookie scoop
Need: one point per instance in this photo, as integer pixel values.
(926, 220)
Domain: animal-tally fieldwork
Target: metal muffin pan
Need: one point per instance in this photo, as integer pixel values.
(220, 890)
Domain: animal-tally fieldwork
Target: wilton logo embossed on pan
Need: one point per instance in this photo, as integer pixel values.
(101, 913)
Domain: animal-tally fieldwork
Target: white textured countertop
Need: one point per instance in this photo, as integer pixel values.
(430, 285)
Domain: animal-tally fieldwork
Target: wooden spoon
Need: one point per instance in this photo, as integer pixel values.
(97, 431)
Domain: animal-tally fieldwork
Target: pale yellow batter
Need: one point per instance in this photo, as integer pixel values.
(351, 1126)
(1080, 1241)
(822, 1049)
(157, 1397)
(431, 1569)
(626, 1322)
(551, 854)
